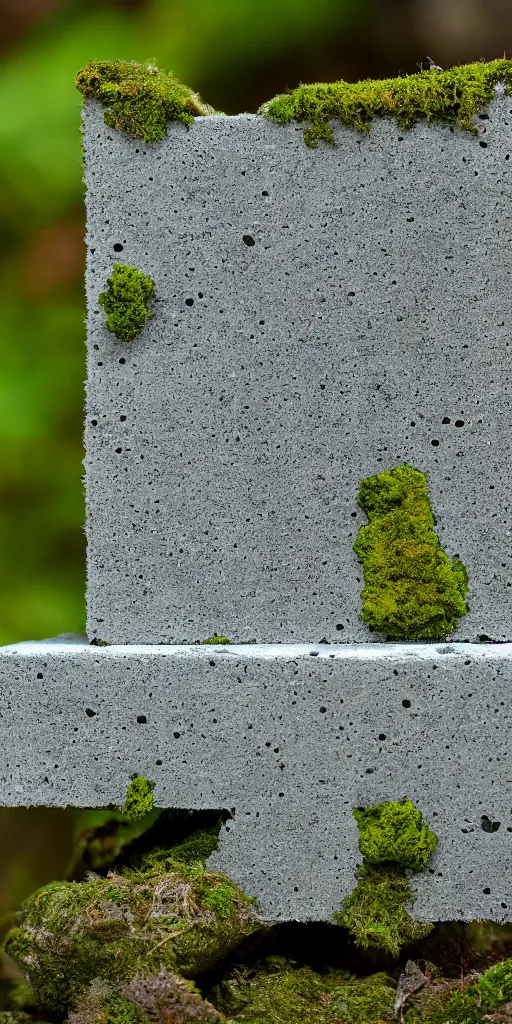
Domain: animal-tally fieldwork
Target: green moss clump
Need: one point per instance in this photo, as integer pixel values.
(125, 301)
(412, 590)
(395, 832)
(160, 997)
(495, 986)
(368, 999)
(377, 912)
(139, 799)
(276, 991)
(452, 97)
(392, 838)
(216, 640)
(165, 914)
(140, 99)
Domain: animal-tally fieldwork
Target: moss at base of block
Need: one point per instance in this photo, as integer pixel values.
(452, 97)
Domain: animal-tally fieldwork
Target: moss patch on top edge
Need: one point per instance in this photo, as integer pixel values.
(140, 99)
(452, 97)
(413, 590)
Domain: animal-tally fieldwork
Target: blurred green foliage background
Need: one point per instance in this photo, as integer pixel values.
(237, 53)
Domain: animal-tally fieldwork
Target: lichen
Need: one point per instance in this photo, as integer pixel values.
(140, 99)
(452, 97)
(216, 640)
(126, 301)
(412, 590)
(167, 912)
(392, 838)
(139, 799)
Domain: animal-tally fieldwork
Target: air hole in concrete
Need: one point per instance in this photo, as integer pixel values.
(445, 419)
(382, 735)
(159, 762)
(118, 247)
(189, 302)
(486, 891)
(459, 423)
(323, 710)
(435, 442)
(90, 713)
(249, 240)
(484, 146)
(142, 720)
(122, 360)
(487, 825)
(176, 735)
(406, 703)
(340, 626)
(39, 675)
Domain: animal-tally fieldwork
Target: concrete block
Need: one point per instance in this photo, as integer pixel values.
(288, 738)
(320, 315)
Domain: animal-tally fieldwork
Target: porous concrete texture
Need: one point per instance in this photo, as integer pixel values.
(288, 738)
(320, 315)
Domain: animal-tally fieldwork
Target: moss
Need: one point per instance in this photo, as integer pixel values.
(395, 832)
(377, 912)
(125, 302)
(392, 838)
(368, 999)
(412, 590)
(216, 640)
(140, 99)
(276, 991)
(452, 97)
(139, 799)
(166, 914)
(495, 986)
(163, 997)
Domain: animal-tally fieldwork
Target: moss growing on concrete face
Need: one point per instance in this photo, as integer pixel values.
(140, 99)
(412, 590)
(395, 832)
(451, 97)
(216, 640)
(159, 997)
(139, 799)
(164, 914)
(392, 838)
(126, 301)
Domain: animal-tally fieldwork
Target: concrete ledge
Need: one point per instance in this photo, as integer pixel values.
(288, 738)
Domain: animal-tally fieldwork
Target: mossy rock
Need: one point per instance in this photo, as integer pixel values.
(276, 991)
(412, 590)
(140, 99)
(167, 912)
(452, 97)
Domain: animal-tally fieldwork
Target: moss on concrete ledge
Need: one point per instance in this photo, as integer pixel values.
(140, 99)
(392, 838)
(126, 301)
(412, 590)
(452, 97)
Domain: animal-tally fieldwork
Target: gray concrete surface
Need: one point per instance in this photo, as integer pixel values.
(288, 739)
(369, 324)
